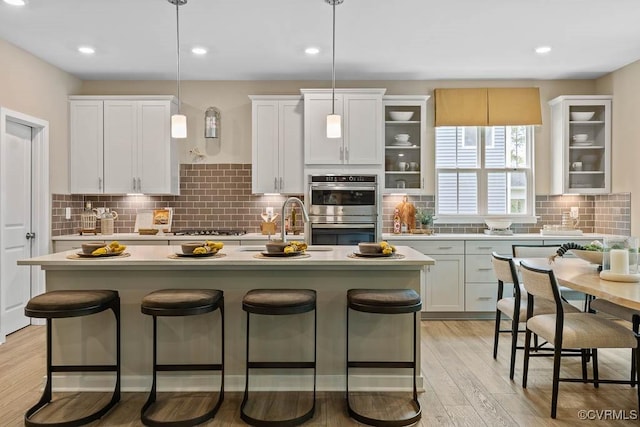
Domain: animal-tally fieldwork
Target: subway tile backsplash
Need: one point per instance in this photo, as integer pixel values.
(219, 196)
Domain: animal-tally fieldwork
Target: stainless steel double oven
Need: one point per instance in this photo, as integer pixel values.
(343, 209)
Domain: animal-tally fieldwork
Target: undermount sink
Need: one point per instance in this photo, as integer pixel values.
(260, 248)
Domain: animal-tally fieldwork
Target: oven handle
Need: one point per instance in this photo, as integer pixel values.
(342, 187)
(343, 225)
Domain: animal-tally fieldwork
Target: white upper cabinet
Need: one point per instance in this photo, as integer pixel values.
(130, 139)
(86, 146)
(277, 144)
(581, 144)
(405, 144)
(361, 142)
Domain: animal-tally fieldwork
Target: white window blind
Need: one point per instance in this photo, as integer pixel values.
(483, 171)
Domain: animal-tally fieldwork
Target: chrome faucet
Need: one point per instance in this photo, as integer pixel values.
(305, 215)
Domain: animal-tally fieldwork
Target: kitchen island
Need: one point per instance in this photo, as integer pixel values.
(142, 269)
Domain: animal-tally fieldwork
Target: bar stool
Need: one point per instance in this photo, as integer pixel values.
(279, 302)
(384, 301)
(73, 303)
(182, 302)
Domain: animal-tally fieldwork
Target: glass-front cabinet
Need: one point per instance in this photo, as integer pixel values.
(581, 144)
(404, 143)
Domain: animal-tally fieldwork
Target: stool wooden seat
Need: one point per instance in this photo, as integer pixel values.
(384, 301)
(279, 302)
(182, 302)
(66, 304)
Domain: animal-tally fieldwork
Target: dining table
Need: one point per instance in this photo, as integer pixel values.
(582, 276)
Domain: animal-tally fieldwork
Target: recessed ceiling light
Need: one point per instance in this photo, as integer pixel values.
(541, 50)
(312, 51)
(87, 50)
(15, 2)
(199, 50)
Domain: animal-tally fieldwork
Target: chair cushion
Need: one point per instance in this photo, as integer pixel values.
(279, 301)
(70, 303)
(604, 306)
(384, 300)
(181, 302)
(583, 330)
(541, 306)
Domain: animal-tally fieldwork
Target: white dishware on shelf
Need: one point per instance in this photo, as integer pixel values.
(402, 138)
(400, 116)
(582, 116)
(582, 144)
(580, 137)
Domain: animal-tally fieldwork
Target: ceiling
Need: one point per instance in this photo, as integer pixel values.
(375, 39)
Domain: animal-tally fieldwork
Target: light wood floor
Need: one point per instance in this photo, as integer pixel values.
(464, 386)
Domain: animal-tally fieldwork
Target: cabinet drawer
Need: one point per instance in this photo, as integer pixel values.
(478, 268)
(503, 247)
(438, 247)
(482, 296)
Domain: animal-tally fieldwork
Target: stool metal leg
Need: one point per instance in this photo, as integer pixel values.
(51, 368)
(146, 420)
(266, 365)
(386, 364)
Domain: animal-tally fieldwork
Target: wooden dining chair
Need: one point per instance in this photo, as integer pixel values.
(600, 305)
(545, 251)
(514, 307)
(569, 330)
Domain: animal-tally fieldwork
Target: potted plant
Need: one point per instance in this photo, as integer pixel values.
(425, 218)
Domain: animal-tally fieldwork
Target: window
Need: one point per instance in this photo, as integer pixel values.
(482, 171)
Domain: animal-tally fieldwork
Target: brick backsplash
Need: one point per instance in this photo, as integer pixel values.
(219, 196)
(607, 214)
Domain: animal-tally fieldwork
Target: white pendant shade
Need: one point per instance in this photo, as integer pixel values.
(334, 126)
(178, 126)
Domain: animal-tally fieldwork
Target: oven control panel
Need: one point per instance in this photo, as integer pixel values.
(344, 178)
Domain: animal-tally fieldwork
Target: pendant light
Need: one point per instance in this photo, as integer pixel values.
(178, 121)
(334, 121)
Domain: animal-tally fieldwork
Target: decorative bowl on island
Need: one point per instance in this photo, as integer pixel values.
(369, 248)
(276, 246)
(88, 248)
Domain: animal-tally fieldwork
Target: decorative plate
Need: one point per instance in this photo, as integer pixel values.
(204, 255)
(372, 255)
(83, 255)
(281, 254)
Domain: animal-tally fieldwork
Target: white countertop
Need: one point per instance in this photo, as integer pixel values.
(235, 258)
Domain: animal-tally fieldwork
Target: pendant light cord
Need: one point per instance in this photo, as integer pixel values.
(333, 67)
(178, 49)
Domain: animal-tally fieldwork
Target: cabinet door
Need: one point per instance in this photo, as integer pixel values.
(86, 145)
(318, 149)
(120, 155)
(362, 129)
(156, 170)
(265, 147)
(445, 284)
(291, 135)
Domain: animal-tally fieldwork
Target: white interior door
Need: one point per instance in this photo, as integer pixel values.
(15, 223)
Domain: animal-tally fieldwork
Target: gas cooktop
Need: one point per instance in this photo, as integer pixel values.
(211, 232)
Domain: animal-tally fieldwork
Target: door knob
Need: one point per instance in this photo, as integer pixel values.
(30, 236)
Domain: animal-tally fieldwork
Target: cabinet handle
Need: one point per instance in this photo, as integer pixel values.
(485, 247)
(139, 185)
(275, 183)
(341, 153)
(485, 269)
(134, 185)
(346, 153)
(100, 184)
(445, 247)
(484, 298)
(281, 184)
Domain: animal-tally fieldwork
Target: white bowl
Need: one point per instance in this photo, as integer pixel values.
(402, 138)
(594, 257)
(582, 116)
(497, 223)
(400, 115)
(580, 137)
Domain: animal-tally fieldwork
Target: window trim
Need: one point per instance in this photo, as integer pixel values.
(528, 218)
